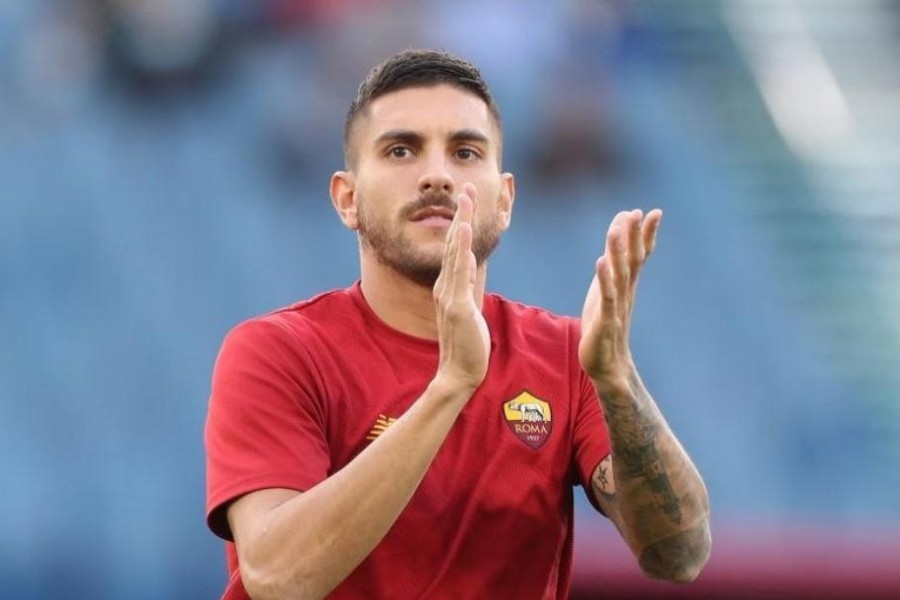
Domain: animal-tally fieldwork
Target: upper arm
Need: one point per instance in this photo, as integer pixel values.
(249, 516)
(603, 488)
(265, 427)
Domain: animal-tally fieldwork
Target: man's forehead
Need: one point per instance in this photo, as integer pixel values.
(434, 110)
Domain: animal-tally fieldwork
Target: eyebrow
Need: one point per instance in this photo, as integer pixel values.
(414, 138)
(470, 135)
(407, 136)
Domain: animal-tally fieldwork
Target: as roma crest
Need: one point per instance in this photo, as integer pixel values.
(529, 418)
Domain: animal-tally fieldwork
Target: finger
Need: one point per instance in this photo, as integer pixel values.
(619, 260)
(616, 251)
(607, 286)
(614, 230)
(465, 205)
(439, 282)
(462, 247)
(458, 284)
(464, 215)
(650, 229)
(464, 271)
(451, 239)
(471, 191)
(449, 257)
(592, 300)
(635, 240)
(446, 266)
(465, 208)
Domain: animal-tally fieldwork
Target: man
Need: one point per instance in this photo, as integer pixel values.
(415, 437)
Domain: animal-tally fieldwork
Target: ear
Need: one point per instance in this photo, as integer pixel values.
(507, 198)
(343, 197)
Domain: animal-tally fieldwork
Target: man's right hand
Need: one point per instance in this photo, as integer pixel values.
(463, 334)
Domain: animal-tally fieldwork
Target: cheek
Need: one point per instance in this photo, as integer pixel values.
(374, 208)
(489, 206)
(384, 189)
(390, 175)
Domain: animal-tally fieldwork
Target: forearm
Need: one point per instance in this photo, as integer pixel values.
(312, 542)
(660, 500)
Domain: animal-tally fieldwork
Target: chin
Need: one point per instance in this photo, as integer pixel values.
(421, 275)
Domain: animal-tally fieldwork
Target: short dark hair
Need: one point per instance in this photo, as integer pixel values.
(417, 68)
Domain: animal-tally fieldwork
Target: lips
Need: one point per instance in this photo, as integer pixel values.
(432, 213)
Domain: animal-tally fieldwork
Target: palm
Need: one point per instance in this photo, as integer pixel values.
(604, 350)
(602, 342)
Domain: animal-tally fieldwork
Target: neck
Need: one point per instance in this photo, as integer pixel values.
(403, 304)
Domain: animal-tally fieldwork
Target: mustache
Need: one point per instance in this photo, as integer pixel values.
(432, 200)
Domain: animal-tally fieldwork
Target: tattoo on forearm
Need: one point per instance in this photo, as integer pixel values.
(657, 500)
(647, 463)
(636, 430)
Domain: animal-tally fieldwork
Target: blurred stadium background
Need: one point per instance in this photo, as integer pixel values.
(163, 175)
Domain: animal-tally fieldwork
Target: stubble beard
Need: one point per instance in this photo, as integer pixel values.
(393, 249)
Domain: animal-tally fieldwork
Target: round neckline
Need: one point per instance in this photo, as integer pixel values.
(372, 319)
(406, 339)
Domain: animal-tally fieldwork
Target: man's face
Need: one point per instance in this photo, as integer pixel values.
(414, 149)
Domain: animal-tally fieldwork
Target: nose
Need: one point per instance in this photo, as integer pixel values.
(436, 179)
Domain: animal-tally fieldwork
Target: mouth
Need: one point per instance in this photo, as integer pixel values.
(433, 216)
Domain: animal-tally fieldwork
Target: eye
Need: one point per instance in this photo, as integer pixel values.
(467, 154)
(399, 152)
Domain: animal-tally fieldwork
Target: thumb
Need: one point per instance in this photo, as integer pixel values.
(591, 300)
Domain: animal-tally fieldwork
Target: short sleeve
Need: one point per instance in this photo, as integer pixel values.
(265, 426)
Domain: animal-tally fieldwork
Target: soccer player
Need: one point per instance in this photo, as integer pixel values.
(413, 436)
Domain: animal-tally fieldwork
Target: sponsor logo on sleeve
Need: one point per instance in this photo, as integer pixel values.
(381, 425)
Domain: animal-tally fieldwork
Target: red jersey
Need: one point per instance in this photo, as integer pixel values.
(298, 393)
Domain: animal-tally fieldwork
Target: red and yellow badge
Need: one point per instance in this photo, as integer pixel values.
(530, 418)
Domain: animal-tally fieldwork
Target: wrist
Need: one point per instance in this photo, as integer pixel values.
(620, 385)
(449, 389)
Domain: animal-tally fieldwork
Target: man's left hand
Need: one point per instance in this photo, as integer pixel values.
(604, 349)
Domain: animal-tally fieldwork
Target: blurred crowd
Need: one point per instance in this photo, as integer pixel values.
(548, 62)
